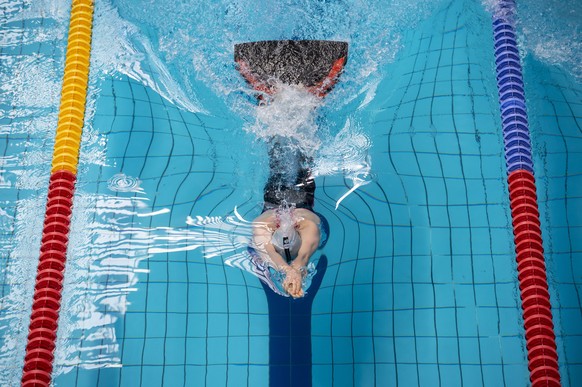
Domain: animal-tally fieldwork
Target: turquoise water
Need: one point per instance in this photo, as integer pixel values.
(419, 283)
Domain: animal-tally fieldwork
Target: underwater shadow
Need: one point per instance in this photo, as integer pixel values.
(290, 334)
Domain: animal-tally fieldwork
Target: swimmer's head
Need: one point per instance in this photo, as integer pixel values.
(286, 241)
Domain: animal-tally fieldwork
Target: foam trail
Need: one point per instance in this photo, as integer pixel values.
(289, 113)
(120, 48)
(107, 247)
(347, 154)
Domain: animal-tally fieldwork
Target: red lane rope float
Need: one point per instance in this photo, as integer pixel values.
(535, 298)
(38, 361)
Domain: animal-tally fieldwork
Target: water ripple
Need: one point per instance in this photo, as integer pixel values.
(123, 183)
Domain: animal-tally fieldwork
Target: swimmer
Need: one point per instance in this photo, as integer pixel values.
(287, 233)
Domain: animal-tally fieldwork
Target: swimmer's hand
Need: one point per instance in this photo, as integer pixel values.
(293, 282)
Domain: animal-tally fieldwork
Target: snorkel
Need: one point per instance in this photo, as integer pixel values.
(287, 246)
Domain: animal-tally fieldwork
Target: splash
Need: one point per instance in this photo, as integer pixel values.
(217, 236)
(120, 48)
(198, 41)
(550, 31)
(25, 226)
(229, 238)
(291, 116)
(106, 247)
(196, 47)
(347, 153)
(290, 113)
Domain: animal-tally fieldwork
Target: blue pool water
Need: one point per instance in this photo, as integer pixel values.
(417, 284)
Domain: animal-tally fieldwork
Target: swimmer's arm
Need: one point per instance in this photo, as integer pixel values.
(310, 235)
(276, 258)
(262, 240)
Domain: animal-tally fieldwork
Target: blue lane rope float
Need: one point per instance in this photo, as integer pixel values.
(511, 91)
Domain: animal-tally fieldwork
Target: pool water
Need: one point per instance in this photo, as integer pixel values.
(417, 284)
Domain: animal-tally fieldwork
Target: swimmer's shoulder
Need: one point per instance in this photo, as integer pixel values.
(307, 215)
(268, 216)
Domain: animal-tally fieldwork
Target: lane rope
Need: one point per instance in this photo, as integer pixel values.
(38, 361)
(535, 299)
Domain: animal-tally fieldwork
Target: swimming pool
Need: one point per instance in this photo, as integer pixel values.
(420, 282)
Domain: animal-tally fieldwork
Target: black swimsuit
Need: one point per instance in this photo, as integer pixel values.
(290, 178)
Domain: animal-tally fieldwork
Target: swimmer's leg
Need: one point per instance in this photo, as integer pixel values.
(290, 174)
(284, 165)
(275, 183)
(305, 181)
